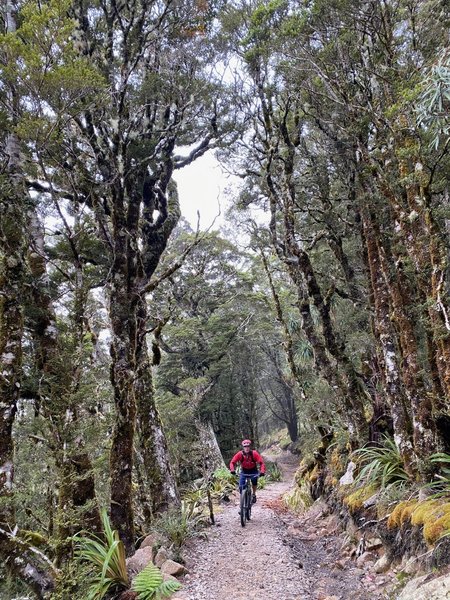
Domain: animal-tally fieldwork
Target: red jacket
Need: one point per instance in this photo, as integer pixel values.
(248, 462)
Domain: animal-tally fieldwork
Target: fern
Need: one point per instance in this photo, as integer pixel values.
(149, 584)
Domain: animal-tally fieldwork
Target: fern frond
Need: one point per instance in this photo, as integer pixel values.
(147, 582)
(167, 588)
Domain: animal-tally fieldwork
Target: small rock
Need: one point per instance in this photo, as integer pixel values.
(382, 564)
(170, 567)
(161, 557)
(293, 530)
(422, 587)
(411, 566)
(373, 543)
(152, 540)
(139, 560)
(371, 501)
(365, 558)
(348, 478)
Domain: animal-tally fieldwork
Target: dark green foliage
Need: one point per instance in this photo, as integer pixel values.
(149, 584)
(107, 558)
(381, 465)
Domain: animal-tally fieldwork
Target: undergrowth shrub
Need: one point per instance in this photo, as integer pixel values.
(441, 484)
(298, 499)
(107, 560)
(381, 465)
(273, 472)
(178, 525)
(149, 584)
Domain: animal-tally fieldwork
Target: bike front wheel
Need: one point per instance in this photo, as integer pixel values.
(248, 505)
(243, 509)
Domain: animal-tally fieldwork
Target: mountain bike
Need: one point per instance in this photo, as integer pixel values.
(246, 500)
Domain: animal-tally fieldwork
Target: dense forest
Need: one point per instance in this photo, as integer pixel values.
(136, 351)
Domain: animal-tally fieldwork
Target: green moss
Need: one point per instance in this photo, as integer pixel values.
(336, 463)
(355, 500)
(437, 525)
(33, 537)
(424, 512)
(433, 515)
(302, 471)
(401, 513)
(313, 476)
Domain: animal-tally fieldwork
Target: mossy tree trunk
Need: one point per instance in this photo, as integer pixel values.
(387, 343)
(152, 443)
(60, 381)
(292, 387)
(150, 83)
(14, 208)
(280, 142)
(209, 450)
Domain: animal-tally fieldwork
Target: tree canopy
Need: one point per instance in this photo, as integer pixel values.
(135, 352)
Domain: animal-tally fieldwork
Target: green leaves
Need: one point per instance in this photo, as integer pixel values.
(434, 103)
(47, 65)
(149, 584)
(441, 484)
(383, 465)
(107, 558)
(109, 567)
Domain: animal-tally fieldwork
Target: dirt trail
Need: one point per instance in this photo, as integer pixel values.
(277, 556)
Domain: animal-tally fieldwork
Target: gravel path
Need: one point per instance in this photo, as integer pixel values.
(277, 556)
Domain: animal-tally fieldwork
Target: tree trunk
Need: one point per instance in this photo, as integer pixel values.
(123, 379)
(387, 342)
(211, 455)
(12, 250)
(14, 207)
(152, 441)
(302, 273)
(411, 215)
(58, 384)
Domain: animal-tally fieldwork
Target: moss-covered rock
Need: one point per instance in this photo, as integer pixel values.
(401, 513)
(438, 525)
(424, 511)
(356, 499)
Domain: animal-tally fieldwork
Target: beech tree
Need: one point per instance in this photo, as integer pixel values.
(338, 158)
(115, 156)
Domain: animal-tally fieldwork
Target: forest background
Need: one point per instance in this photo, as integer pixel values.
(135, 351)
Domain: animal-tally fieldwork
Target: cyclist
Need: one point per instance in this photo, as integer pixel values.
(249, 459)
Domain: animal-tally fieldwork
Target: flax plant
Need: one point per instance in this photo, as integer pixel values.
(107, 558)
(383, 464)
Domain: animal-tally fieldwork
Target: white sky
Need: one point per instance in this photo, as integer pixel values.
(202, 187)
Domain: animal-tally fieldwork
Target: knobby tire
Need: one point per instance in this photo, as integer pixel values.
(243, 511)
(248, 504)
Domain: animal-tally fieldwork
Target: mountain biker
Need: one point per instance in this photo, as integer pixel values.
(249, 459)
